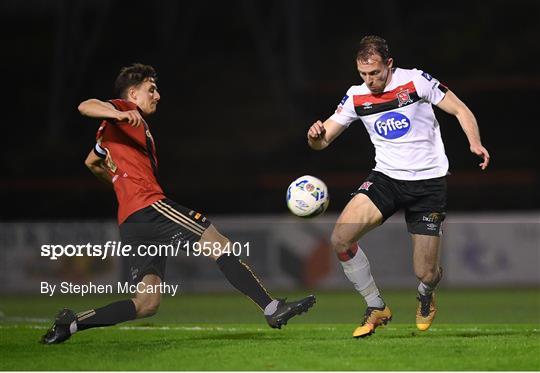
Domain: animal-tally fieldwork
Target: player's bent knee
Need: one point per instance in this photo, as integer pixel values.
(339, 243)
(218, 242)
(211, 234)
(151, 309)
(146, 307)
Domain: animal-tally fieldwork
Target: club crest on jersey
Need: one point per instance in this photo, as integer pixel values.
(365, 185)
(392, 125)
(404, 98)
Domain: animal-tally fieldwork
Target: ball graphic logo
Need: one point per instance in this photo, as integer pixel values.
(392, 125)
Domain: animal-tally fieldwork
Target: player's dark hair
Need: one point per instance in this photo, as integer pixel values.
(133, 75)
(371, 45)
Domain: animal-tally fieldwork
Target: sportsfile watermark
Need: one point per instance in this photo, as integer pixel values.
(118, 249)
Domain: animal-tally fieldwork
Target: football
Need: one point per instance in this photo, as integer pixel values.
(307, 197)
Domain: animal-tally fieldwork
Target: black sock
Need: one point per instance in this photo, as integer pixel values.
(111, 314)
(241, 277)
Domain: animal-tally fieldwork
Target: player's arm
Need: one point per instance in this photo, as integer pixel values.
(95, 165)
(320, 134)
(95, 108)
(453, 105)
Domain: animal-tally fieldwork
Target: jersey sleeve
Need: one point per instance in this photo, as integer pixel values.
(429, 88)
(345, 113)
(136, 134)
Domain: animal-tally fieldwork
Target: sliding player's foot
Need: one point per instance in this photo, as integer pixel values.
(59, 331)
(286, 310)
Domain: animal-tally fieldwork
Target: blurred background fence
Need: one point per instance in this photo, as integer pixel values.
(479, 250)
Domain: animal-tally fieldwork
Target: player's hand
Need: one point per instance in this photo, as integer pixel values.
(133, 117)
(480, 151)
(316, 131)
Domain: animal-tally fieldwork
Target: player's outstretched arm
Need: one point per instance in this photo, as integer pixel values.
(453, 105)
(320, 134)
(95, 108)
(95, 165)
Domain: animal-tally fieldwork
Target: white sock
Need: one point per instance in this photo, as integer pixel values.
(424, 289)
(358, 272)
(73, 327)
(271, 307)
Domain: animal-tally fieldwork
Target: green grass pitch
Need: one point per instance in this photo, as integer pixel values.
(474, 330)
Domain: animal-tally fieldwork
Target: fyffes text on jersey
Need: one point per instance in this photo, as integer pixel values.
(392, 125)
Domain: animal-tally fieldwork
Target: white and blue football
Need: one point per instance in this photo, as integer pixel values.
(307, 197)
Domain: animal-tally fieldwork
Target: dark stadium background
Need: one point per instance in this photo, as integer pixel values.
(241, 81)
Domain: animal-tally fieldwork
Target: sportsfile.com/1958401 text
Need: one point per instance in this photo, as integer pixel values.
(116, 248)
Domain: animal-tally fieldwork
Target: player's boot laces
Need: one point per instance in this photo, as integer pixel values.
(373, 318)
(59, 331)
(425, 313)
(286, 310)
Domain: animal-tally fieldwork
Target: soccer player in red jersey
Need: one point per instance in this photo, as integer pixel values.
(125, 156)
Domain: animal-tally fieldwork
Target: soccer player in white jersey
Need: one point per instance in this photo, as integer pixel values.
(395, 106)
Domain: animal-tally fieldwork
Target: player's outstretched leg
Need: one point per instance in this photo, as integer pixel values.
(276, 311)
(68, 323)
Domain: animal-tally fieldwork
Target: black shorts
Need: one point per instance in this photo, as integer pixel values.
(424, 201)
(162, 223)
